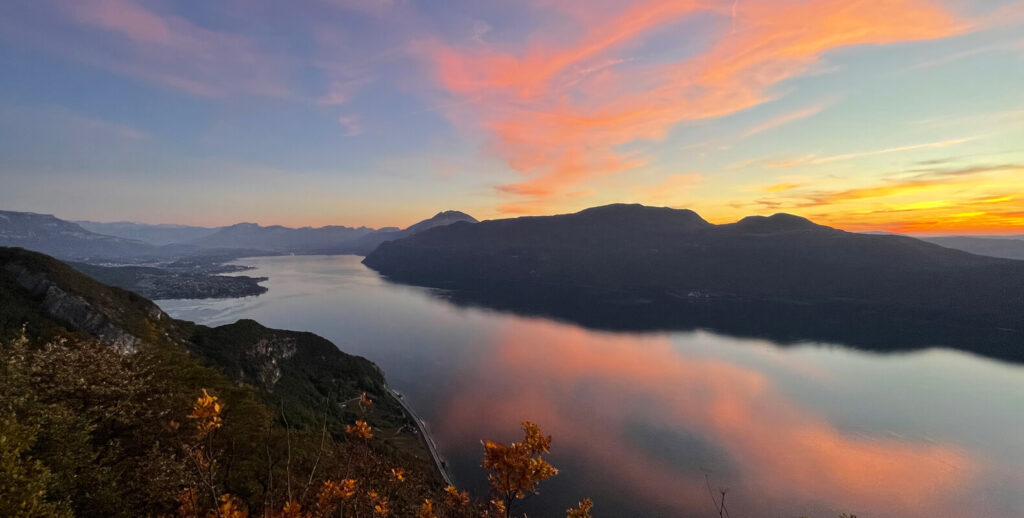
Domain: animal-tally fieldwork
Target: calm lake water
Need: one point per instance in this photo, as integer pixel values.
(642, 422)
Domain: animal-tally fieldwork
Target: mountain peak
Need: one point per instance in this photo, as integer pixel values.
(780, 222)
(446, 217)
(637, 213)
(453, 214)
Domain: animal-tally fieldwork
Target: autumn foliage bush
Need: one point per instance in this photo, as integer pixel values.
(516, 469)
(89, 432)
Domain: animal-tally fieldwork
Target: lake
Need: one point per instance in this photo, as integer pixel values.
(645, 423)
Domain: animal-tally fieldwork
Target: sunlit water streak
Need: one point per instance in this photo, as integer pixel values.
(640, 419)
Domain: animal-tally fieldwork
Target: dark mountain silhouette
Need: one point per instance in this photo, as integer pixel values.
(440, 219)
(368, 243)
(163, 234)
(665, 266)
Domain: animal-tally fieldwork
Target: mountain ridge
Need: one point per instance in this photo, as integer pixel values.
(158, 234)
(60, 238)
(369, 242)
(632, 251)
(278, 238)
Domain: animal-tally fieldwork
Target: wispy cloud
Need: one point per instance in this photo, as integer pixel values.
(914, 181)
(885, 190)
(1009, 46)
(559, 130)
(126, 38)
(782, 187)
(886, 151)
(59, 120)
(970, 199)
(930, 173)
(783, 119)
(373, 7)
(480, 29)
(123, 131)
(352, 125)
(812, 159)
(777, 121)
(342, 91)
(998, 117)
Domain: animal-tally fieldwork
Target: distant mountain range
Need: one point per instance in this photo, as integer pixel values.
(152, 234)
(279, 239)
(322, 240)
(633, 256)
(179, 261)
(1008, 247)
(126, 242)
(50, 235)
(367, 243)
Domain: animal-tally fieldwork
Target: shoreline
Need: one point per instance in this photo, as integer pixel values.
(428, 439)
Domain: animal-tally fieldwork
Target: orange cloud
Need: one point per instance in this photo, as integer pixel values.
(559, 113)
(782, 187)
(590, 390)
(971, 199)
(957, 219)
(882, 191)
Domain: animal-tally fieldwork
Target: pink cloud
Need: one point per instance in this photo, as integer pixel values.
(130, 20)
(559, 113)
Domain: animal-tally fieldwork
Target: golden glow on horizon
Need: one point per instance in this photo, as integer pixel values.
(978, 200)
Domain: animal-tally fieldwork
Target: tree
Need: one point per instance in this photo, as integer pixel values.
(24, 481)
(517, 468)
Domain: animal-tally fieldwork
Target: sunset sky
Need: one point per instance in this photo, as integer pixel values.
(894, 115)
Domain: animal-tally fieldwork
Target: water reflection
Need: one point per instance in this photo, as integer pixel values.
(592, 391)
(640, 419)
(841, 322)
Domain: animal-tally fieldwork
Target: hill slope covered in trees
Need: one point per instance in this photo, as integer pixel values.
(99, 385)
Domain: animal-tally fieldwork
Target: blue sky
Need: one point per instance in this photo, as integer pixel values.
(904, 115)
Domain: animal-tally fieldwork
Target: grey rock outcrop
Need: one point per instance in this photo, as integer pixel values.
(75, 310)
